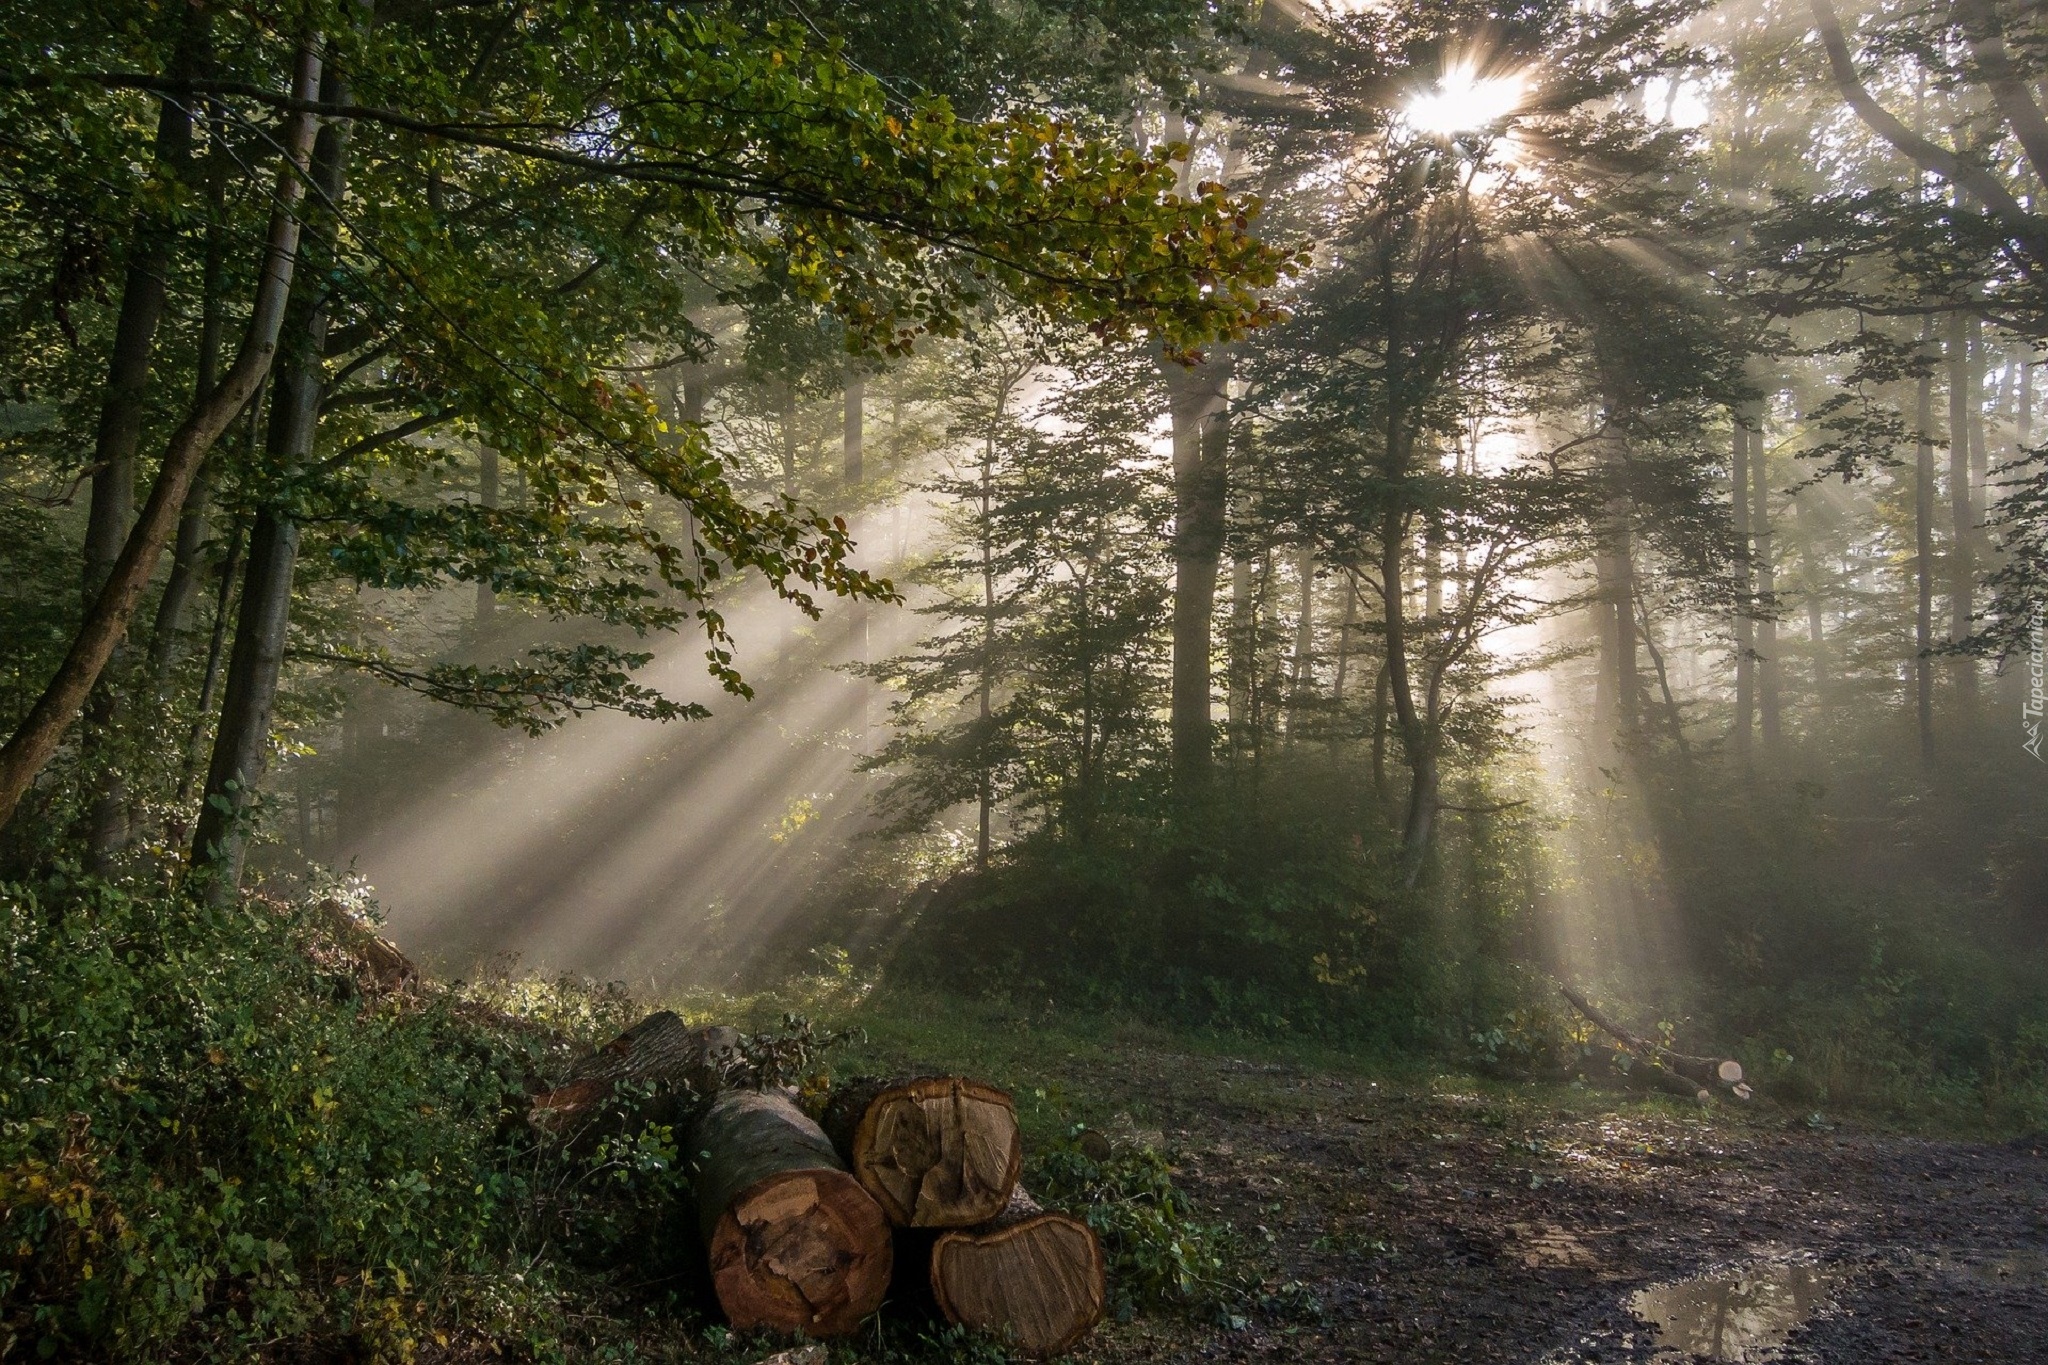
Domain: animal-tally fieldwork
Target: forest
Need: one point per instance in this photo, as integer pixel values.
(1397, 643)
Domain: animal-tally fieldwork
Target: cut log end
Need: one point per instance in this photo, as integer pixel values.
(1032, 1277)
(937, 1152)
(801, 1251)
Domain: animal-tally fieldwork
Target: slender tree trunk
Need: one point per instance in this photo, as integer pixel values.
(852, 443)
(1301, 681)
(1620, 680)
(188, 558)
(2023, 404)
(1345, 626)
(1417, 731)
(1199, 402)
(1923, 544)
(40, 732)
(985, 698)
(241, 745)
(1962, 572)
(1243, 654)
(486, 498)
(1379, 740)
(1816, 604)
(696, 390)
(1768, 672)
(1674, 719)
(1745, 623)
(785, 411)
(123, 409)
(216, 656)
(853, 430)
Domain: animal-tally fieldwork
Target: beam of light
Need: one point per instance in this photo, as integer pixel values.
(614, 847)
(1463, 101)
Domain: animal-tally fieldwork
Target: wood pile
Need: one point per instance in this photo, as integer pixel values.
(805, 1222)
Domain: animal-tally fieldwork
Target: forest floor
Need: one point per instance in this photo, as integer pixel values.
(1442, 1218)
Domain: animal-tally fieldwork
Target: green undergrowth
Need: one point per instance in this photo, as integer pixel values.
(222, 1139)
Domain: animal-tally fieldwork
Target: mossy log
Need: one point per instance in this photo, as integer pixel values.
(684, 1066)
(796, 1245)
(1033, 1277)
(934, 1151)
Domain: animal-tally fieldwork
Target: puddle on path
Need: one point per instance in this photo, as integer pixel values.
(1739, 1315)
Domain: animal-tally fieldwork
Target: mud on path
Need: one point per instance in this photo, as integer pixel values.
(1431, 1225)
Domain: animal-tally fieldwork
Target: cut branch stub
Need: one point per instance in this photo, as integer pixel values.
(935, 1152)
(796, 1245)
(1033, 1277)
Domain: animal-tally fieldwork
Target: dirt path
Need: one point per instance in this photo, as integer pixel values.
(1435, 1226)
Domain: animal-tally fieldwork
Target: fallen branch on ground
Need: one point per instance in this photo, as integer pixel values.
(1704, 1073)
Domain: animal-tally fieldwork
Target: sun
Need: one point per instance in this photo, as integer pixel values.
(1463, 101)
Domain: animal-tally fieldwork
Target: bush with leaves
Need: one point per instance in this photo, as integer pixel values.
(211, 1136)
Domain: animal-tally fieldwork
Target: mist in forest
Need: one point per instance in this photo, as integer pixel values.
(1352, 513)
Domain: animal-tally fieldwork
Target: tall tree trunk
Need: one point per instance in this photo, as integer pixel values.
(785, 414)
(486, 498)
(1379, 740)
(188, 557)
(985, 693)
(1816, 603)
(40, 732)
(1199, 405)
(1301, 680)
(1745, 623)
(1417, 730)
(1345, 625)
(1962, 574)
(1243, 656)
(1621, 679)
(216, 658)
(2023, 404)
(241, 745)
(1674, 718)
(852, 442)
(1768, 673)
(123, 408)
(853, 430)
(1923, 544)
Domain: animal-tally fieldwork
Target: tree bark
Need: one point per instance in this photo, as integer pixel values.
(1745, 621)
(1616, 570)
(241, 745)
(188, 558)
(1301, 685)
(40, 732)
(123, 409)
(1243, 657)
(1199, 405)
(852, 431)
(1768, 672)
(1816, 602)
(1923, 545)
(796, 1244)
(1033, 1277)
(486, 498)
(1962, 514)
(935, 1152)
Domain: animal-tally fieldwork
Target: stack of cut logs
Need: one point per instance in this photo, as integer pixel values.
(806, 1223)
